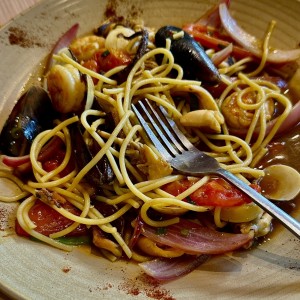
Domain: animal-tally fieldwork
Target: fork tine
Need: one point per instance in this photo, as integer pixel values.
(176, 131)
(154, 119)
(156, 142)
(166, 130)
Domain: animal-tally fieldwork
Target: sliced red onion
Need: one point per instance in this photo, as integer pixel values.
(292, 119)
(22, 164)
(64, 41)
(211, 18)
(222, 55)
(250, 42)
(165, 269)
(14, 162)
(195, 239)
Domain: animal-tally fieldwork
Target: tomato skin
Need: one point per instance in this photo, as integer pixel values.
(216, 192)
(91, 64)
(53, 162)
(177, 187)
(48, 220)
(105, 60)
(212, 39)
(108, 60)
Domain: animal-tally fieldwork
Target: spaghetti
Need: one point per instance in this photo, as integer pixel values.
(135, 189)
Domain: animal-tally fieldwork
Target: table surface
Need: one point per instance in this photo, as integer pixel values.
(11, 8)
(8, 10)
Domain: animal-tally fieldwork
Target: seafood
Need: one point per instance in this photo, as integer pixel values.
(32, 114)
(101, 173)
(188, 54)
(66, 88)
(85, 47)
(207, 120)
(236, 116)
(280, 182)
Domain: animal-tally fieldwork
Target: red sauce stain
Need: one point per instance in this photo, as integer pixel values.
(18, 36)
(113, 11)
(66, 269)
(145, 285)
(6, 224)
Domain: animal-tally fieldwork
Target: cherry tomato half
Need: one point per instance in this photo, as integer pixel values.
(216, 192)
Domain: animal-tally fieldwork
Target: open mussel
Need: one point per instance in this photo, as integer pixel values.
(188, 54)
(32, 114)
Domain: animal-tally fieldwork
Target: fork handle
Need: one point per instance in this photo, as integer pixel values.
(287, 221)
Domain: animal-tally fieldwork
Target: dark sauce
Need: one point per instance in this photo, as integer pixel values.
(285, 150)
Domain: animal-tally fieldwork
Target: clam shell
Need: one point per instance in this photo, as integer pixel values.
(280, 182)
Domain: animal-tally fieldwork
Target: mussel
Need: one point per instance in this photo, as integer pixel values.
(102, 172)
(189, 55)
(32, 114)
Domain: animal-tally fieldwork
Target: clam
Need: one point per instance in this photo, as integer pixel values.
(280, 182)
(242, 213)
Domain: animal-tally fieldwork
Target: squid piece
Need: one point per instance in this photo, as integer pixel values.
(207, 120)
(152, 165)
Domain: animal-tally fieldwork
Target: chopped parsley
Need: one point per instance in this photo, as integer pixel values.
(105, 53)
(190, 201)
(184, 232)
(161, 230)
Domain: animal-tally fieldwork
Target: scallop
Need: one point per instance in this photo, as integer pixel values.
(280, 182)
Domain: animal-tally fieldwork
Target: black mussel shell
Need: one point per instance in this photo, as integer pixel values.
(189, 54)
(32, 114)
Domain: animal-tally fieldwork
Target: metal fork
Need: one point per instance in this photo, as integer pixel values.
(183, 156)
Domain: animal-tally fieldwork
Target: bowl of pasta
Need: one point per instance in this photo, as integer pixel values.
(90, 209)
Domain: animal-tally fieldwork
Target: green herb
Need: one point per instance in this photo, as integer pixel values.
(69, 240)
(74, 240)
(105, 53)
(184, 232)
(189, 200)
(161, 230)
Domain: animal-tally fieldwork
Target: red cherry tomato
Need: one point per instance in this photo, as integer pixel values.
(55, 160)
(48, 220)
(105, 60)
(216, 192)
(108, 60)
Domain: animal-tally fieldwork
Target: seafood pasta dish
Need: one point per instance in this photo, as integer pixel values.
(87, 173)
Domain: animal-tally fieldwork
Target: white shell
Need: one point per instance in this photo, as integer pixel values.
(241, 213)
(280, 182)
